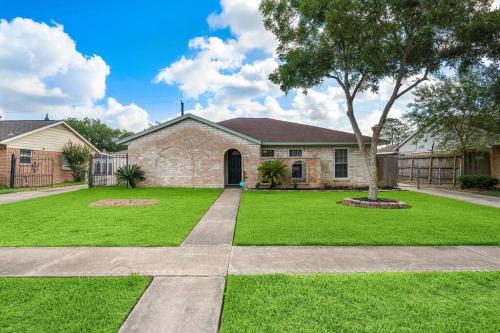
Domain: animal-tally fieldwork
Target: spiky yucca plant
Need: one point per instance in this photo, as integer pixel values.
(272, 172)
(130, 175)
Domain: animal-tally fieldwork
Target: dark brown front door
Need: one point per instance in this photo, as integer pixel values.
(233, 167)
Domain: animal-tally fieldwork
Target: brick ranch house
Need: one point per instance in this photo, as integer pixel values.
(38, 149)
(190, 151)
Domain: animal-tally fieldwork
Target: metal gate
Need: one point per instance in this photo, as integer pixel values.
(102, 169)
(31, 172)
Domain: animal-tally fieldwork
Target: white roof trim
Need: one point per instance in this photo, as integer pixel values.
(406, 140)
(181, 118)
(47, 127)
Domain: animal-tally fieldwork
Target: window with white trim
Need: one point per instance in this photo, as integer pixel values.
(64, 163)
(295, 152)
(341, 163)
(25, 156)
(298, 171)
(267, 153)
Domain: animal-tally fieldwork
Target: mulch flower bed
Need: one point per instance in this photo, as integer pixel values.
(380, 203)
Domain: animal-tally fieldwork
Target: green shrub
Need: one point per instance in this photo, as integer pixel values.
(272, 172)
(477, 181)
(130, 175)
(77, 157)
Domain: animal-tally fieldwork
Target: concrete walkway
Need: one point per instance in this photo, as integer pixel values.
(25, 195)
(216, 227)
(457, 195)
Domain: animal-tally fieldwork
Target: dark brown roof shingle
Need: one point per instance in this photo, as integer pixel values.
(12, 128)
(271, 130)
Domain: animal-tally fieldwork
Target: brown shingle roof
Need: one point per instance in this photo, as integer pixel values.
(12, 128)
(271, 130)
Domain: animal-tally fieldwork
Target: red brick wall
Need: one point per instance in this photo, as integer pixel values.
(58, 174)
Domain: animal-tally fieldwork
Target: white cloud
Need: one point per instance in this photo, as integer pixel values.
(226, 83)
(41, 72)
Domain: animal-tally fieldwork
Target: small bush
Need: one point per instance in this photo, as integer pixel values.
(477, 181)
(272, 172)
(130, 175)
(77, 156)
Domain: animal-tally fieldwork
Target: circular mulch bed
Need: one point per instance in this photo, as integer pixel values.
(124, 202)
(380, 203)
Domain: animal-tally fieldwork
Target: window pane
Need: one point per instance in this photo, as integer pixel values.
(25, 156)
(341, 163)
(297, 170)
(295, 153)
(267, 153)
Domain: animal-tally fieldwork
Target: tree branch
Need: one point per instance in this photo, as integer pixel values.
(414, 84)
(358, 85)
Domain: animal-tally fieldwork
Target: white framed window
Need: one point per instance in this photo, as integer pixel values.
(341, 163)
(295, 152)
(25, 156)
(267, 153)
(64, 163)
(298, 171)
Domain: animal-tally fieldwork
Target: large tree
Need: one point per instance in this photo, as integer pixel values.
(395, 131)
(98, 133)
(360, 43)
(463, 111)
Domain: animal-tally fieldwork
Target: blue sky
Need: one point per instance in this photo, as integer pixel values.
(130, 62)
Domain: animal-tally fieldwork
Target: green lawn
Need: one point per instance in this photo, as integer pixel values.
(376, 302)
(67, 304)
(314, 218)
(67, 220)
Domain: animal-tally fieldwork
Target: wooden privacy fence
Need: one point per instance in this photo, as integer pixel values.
(441, 169)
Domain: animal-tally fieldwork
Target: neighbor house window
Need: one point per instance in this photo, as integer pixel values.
(267, 153)
(298, 171)
(25, 156)
(64, 163)
(295, 152)
(340, 163)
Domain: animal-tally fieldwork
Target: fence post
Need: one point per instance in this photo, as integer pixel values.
(439, 176)
(418, 177)
(89, 176)
(411, 169)
(430, 169)
(12, 182)
(454, 170)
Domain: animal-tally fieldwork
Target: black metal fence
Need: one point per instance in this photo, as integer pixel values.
(102, 169)
(31, 172)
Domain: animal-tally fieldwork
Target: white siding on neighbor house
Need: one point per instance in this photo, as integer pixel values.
(49, 139)
(424, 145)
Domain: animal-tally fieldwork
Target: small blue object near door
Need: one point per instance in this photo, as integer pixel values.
(242, 184)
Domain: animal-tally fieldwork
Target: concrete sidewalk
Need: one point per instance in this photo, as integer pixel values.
(218, 261)
(457, 195)
(26, 195)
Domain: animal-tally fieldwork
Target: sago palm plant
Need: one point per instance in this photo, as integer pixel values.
(130, 175)
(272, 172)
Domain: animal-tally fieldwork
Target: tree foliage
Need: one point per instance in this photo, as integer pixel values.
(360, 43)
(77, 157)
(99, 134)
(463, 111)
(395, 131)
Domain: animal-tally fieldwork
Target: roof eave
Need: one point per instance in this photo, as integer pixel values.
(285, 143)
(186, 116)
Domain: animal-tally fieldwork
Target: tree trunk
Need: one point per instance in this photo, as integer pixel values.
(372, 175)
